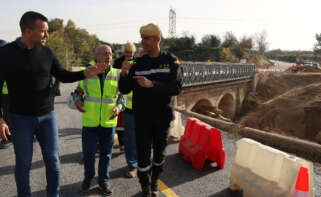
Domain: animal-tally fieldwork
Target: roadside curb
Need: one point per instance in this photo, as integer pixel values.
(299, 147)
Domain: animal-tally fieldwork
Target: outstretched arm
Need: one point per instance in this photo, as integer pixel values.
(67, 76)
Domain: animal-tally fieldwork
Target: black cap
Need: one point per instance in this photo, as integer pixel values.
(2, 43)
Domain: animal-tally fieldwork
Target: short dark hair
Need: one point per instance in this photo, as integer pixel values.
(2, 43)
(28, 20)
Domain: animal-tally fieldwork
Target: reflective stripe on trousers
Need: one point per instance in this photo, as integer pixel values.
(144, 169)
(158, 164)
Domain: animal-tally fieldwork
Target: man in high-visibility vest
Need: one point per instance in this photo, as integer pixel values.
(100, 102)
(5, 106)
(129, 138)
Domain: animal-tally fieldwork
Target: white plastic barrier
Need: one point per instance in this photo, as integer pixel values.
(260, 170)
(176, 128)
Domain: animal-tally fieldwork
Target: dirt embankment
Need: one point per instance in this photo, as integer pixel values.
(285, 103)
(260, 61)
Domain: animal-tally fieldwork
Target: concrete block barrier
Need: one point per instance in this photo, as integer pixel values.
(260, 170)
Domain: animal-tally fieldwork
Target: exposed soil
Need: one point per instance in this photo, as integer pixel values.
(285, 103)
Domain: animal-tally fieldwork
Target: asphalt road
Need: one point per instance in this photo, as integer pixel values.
(179, 175)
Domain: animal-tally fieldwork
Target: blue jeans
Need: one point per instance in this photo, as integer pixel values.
(45, 129)
(130, 139)
(105, 137)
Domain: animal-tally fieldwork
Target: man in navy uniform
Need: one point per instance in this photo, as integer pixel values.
(154, 78)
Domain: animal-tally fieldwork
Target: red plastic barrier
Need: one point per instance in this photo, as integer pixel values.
(200, 142)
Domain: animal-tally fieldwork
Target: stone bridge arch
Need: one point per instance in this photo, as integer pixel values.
(225, 97)
(201, 104)
(227, 103)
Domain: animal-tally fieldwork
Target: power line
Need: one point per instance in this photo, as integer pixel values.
(128, 22)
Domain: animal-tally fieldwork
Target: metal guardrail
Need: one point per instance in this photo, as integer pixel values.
(203, 73)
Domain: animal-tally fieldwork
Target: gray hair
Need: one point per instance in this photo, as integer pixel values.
(101, 47)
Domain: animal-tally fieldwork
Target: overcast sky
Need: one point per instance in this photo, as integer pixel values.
(290, 24)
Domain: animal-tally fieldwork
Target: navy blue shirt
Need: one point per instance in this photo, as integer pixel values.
(165, 73)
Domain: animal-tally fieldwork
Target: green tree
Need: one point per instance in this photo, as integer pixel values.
(56, 25)
(226, 55)
(70, 43)
(63, 52)
(182, 47)
(210, 41)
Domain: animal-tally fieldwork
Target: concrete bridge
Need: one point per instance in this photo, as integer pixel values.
(223, 87)
(219, 86)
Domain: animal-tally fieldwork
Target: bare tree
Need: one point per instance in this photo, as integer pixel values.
(229, 40)
(317, 46)
(247, 42)
(262, 44)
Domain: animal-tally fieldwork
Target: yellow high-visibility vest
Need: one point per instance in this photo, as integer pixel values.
(5, 88)
(99, 108)
(129, 102)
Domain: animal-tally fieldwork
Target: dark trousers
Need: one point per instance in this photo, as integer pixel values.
(105, 138)
(130, 140)
(120, 134)
(150, 134)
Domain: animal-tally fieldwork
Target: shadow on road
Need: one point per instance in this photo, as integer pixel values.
(6, 170)
(72, 190)
(60, 102)
(64, 159)
(69, 131)
(227, 193)
(186, 173)
(118, 173)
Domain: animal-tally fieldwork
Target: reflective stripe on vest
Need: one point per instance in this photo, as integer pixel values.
(4, 88)
(99, 108)
(129, 102)
(98, 100)
(112, 78)
(109, 100)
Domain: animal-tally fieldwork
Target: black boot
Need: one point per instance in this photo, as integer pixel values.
(144, 179)
(154, 188)
(156, 171)
(146, 191)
